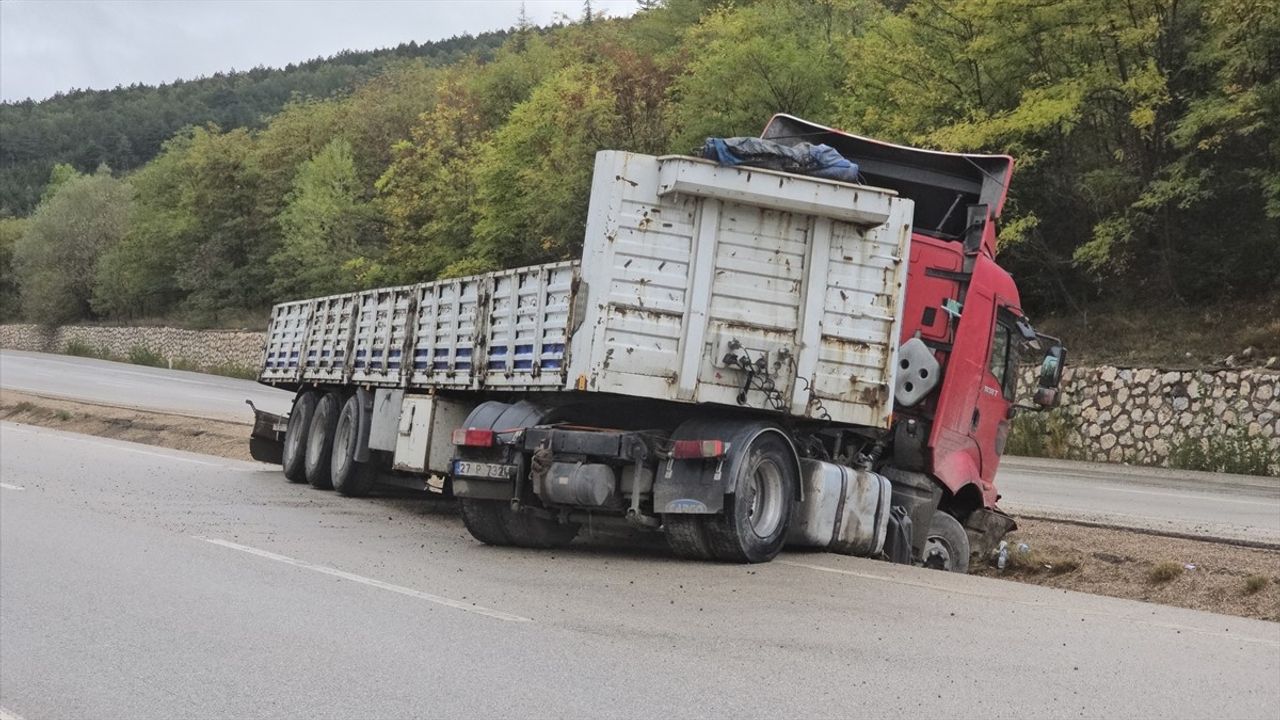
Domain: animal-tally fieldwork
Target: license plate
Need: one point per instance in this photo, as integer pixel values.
(498, 471)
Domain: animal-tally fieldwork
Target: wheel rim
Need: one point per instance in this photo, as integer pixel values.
(938, 553)
(764, 498)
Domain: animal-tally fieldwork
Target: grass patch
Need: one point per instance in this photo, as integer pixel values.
(1164, 572)
(1035, 562)
(1230, 450)
(233, 371)
(143, 355)
(1254, 584)
(80, 348)
(62, 415)
(1166, 334)
(24, 406)
(226, 369)
(1042, 434)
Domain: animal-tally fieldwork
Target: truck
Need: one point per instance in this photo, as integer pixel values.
(741, 359)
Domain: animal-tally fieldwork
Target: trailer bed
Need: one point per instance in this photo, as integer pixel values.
(691, 273)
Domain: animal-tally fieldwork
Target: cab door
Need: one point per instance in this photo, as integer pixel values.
(990, 427)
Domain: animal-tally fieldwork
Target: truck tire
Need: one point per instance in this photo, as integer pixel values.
(294, 454)
(686, 536)
(483, 519)
(529, 531)
(349, 476)
(320, 441)
(947, 546)
(753, 525)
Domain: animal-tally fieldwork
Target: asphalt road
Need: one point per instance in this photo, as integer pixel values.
(140, 582)
(1237, 507)
(114, 383)
(1205, 504)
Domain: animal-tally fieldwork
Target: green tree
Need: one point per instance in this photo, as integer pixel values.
(56, 256)
(200, 238)
(327, 226)
(138, 276)
(10, 231)
(745, 64)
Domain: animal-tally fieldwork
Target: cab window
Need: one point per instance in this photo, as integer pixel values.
(1003, 364)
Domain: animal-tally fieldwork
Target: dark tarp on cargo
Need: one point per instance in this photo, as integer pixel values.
(802, 158)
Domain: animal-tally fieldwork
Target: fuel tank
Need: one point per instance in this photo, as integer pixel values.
(844, 510)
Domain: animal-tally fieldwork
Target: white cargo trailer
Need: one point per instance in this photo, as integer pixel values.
(720, 321)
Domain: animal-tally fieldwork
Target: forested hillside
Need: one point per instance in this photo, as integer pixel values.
(1146, 133)
(124, 128)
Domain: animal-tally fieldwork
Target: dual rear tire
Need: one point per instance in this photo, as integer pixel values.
(757, 514)
(494, 522)
(320, 444)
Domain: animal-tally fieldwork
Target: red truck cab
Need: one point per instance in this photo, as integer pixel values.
(958, 301)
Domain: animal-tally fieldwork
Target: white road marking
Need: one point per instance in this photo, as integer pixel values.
(122, 445)
(437, 599)
(7, 715)
(7, 486)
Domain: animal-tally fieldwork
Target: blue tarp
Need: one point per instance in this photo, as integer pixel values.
(802, 158)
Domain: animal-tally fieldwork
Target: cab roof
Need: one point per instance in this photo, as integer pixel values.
(942, 184)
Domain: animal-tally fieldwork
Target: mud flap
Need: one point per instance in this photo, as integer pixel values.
(986, 528)
(897, 541)
(266, 441)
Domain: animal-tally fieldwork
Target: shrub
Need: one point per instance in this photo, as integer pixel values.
(1229, 450)
(1042, 434)
(1164, 572)
(143, 355)
(1254, 584)
(80, 348)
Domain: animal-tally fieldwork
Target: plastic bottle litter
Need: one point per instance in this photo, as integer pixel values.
(1002, 559)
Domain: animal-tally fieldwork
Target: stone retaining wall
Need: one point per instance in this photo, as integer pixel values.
(202, 349)
(1141, 415)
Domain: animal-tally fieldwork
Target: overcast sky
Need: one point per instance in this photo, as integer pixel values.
(52, 45)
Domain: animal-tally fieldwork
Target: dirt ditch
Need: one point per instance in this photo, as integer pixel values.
(1196, 574)
(178, 432)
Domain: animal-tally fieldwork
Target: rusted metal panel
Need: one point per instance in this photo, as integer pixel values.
(447, 328)
(382, 325)
(741, 288)
(328, 343)
(286, 334)
(528, 326)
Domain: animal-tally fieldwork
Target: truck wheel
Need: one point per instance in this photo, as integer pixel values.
(753, 525)
(687, 536)
(528, 531)
(947, 546)
(320, 441)
(349, 476)
(294, 456)
(483, 519)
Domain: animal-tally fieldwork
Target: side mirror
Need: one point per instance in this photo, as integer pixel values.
(1046, 398)
(1055, 361)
